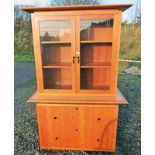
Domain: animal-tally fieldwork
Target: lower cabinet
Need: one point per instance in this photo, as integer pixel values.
(77, 127)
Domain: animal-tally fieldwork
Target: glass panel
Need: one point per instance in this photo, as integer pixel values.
(95, 53)
(99, 30)
(55, 37)
(57, 78)
(55, 30)
(95, 78)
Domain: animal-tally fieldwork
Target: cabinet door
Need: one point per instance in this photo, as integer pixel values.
(54, 42)
(97, 38)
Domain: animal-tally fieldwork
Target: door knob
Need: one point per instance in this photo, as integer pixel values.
(74, 60)
(78, 58)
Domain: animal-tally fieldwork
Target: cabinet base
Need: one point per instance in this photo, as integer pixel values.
(77, 127)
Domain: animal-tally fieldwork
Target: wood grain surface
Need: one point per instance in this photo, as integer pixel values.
(77, 127)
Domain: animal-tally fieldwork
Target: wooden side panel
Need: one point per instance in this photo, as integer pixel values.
(37, 53)
(115, 52)
(78, 127)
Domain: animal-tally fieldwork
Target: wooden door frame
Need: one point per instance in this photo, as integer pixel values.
(115, 52)
(38, 57)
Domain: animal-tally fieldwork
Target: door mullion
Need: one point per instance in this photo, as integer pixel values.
(77, 53)
(73, 54)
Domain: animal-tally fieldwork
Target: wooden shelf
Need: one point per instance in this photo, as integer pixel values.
(61, 87)
(92, 41)
(58, 65)
(78, 99)
(102, 87)
(55, 42)
(96, 65)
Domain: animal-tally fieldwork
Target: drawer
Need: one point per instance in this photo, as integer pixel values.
(77, 127)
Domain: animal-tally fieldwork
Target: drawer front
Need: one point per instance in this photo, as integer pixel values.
(77, 127)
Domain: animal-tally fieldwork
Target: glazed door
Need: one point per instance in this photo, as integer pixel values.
(96, 53)
(54, 53)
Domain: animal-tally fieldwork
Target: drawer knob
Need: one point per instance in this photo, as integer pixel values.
(98, 119)
(55, 117)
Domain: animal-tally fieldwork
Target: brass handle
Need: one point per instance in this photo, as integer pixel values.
(74, 60)
(78, 59)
